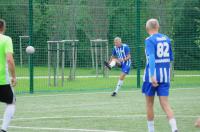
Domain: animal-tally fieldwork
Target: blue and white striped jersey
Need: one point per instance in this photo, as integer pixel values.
(160, 46)
(121, 53)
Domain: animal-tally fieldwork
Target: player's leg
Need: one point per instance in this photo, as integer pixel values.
(114, 62)
(150, 113)
(125, 71)
(7, 96)
(163, 93)
(149, 92)
(168, 110)
(166, 106)
(119, 83)
(8, 115)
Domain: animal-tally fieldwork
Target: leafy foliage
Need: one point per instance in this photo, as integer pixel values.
(105, 19)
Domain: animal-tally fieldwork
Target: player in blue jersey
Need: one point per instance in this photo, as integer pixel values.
(157, 73)
(120, 57)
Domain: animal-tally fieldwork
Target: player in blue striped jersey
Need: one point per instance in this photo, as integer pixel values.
(157, 73)
(120, 57)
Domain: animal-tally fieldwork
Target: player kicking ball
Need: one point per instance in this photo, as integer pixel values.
(157, 73)
(120, 57)
(6, 65)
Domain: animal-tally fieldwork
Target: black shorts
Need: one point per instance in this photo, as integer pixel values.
(6, 94)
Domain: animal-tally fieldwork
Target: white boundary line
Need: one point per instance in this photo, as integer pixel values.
(90, 93)
(105, 116)
(84, 130)
(187, 75)
(87, 105)
(60, 129)
(111, 76)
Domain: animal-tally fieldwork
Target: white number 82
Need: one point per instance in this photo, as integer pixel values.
(163, 49)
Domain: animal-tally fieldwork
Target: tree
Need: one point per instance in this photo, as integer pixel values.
(186, 35)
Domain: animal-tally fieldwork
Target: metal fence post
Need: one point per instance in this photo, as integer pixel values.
(31, 43)
(137, 41)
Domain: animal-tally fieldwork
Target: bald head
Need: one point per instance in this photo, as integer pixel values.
(152, 25)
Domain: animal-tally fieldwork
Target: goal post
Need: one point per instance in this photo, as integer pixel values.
(59, 49)
(99, 54)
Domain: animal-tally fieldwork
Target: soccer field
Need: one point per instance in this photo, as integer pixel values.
(86, 81)
(64, 83)
(99, 112)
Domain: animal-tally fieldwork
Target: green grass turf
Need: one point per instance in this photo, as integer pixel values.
(94, 84)
(126, 112)
(43, 71)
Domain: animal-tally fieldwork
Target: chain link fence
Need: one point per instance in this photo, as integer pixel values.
(72, 38)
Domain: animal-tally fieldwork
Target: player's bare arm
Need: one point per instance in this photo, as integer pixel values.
(11, 66)
(128, 57)
(154, 81)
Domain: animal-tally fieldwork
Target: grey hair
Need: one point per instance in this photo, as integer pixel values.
(152, 24)
(117, 39)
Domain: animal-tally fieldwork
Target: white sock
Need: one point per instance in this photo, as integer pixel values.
(150, 125)
(8, 114)
(119, 84)
(112, 64)
(173, 125)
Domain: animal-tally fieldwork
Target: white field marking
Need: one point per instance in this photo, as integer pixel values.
(84, 105)
(111, 76)
(46, 77)
(104, 116)
(68, 94)
(93, 93)
(60, 129)
(53, 108)
(187, 75)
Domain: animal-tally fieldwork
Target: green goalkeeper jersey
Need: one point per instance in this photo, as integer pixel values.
(6, 46)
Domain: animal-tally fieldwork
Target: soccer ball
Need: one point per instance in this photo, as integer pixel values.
(30, 50)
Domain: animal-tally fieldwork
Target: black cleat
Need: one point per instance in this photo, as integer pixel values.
(2, 130)
(176, 131)
(107, 65)
(114, 94)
